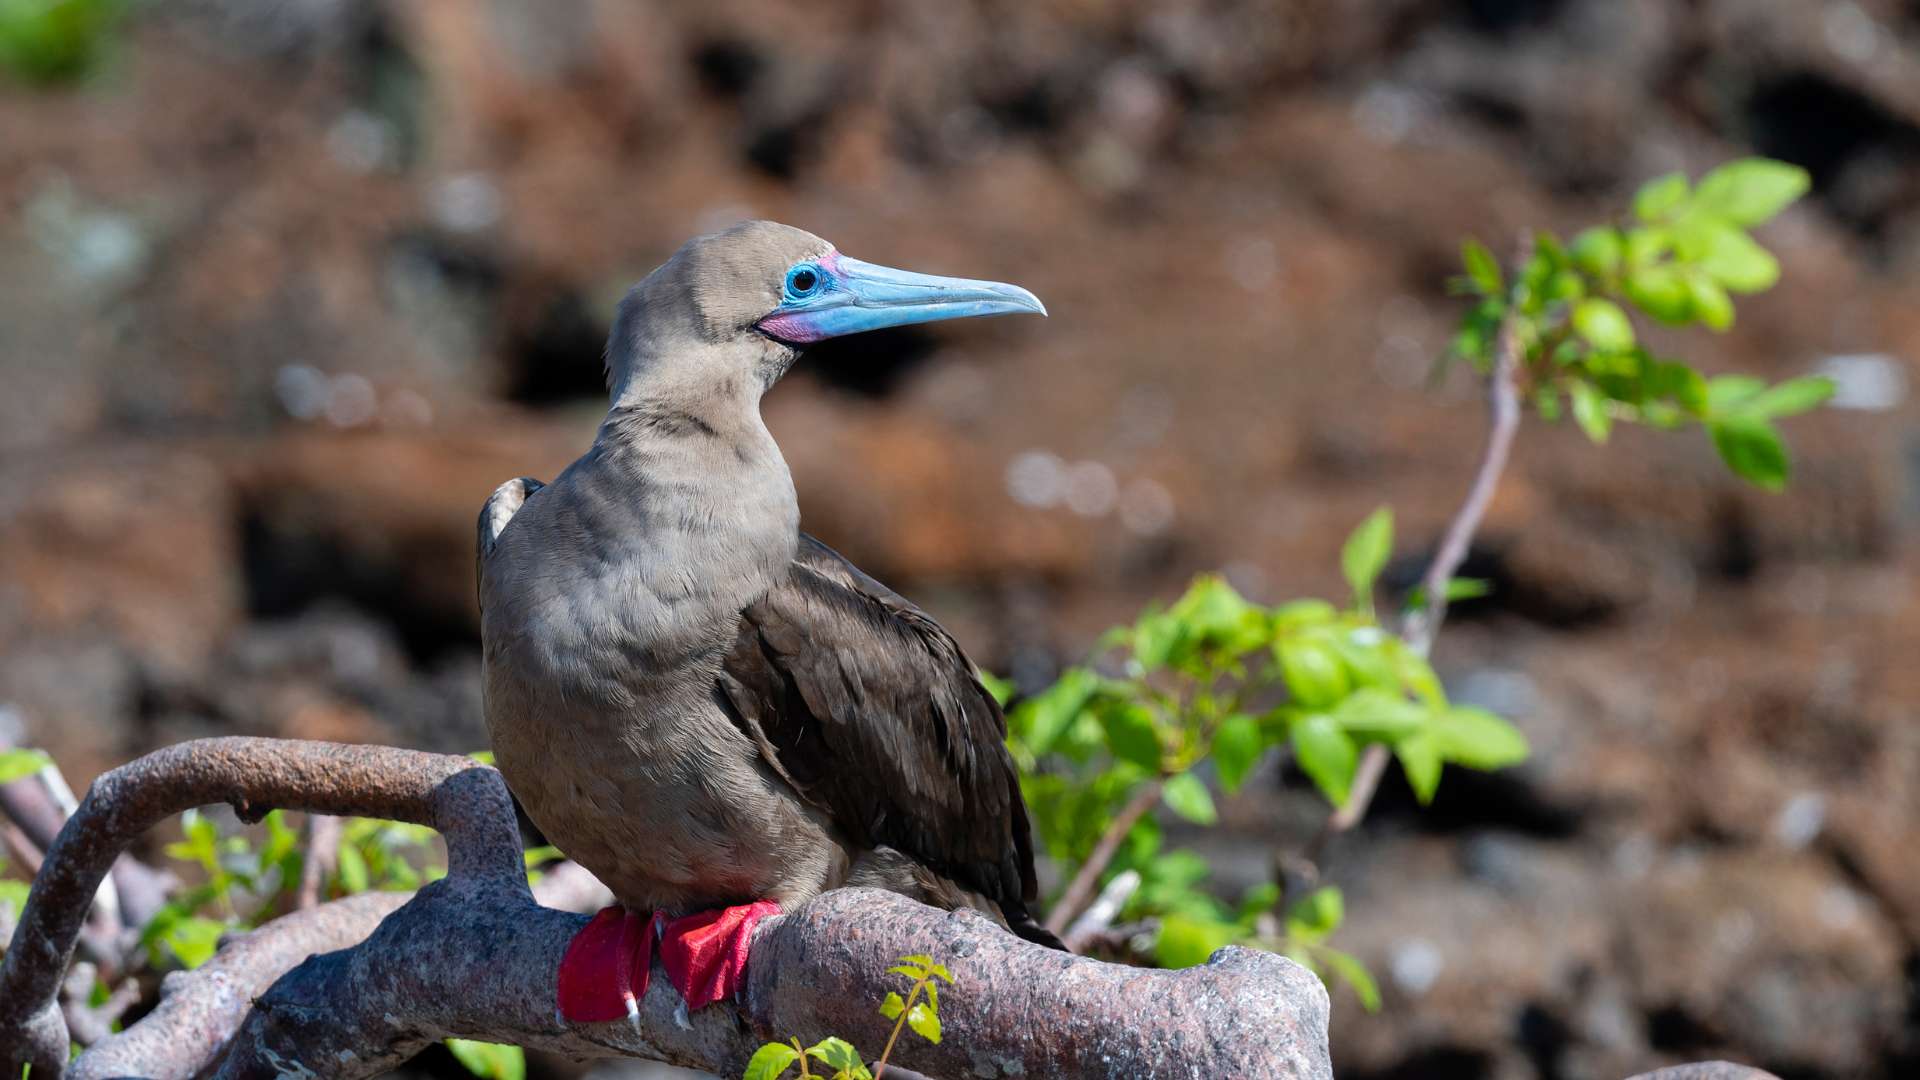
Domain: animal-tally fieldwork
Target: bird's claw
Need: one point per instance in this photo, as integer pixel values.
(705, 953)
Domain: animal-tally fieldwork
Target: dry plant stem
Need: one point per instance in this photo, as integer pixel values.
(1503, 399)
(323, 853)
(1099, 916)
(1080, 890)
(473, 955)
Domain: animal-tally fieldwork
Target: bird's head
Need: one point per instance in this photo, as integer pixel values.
(753, 296)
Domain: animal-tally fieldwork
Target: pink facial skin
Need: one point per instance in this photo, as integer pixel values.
(791, 326)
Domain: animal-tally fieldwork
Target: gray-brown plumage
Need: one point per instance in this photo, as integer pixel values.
(695, 700)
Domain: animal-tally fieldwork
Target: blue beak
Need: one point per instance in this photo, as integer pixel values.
(836, 295)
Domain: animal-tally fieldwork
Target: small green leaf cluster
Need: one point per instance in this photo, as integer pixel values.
(919, 1010)
(492, 1061)
(55, 41)
(1220, 681)
(1686, 252)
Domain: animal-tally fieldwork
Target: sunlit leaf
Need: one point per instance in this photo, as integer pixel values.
(770, 1061)
(1659, 197)
(1590, 410)
(1187, 796)
(836, 1053)
(493, 1061)
(924, 1022)
(1477, 738)
(1185, 941)
(1751, 447)
(1739, 264)
(1237, 745)
(19, 764)
(1326, 754)
(1354, 974)
(1320, 911)
(1791, 397)
(1599, 251)
(1603, 324)
(1482, 268)
(1314, 672)
(1366, 552)
(1752, 190)
(1419, 756)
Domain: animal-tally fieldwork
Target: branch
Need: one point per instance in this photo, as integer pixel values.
(474, 956)
(1080, 890)
(1503, 399)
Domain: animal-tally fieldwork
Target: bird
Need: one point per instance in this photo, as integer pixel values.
(712, 711)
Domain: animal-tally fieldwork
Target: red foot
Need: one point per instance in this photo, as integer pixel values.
(604, 974)
(705, 953)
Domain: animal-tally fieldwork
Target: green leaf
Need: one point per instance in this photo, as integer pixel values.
(1752, 449)
(1590, 410)
(1185, 795)
(1751, 191)
(493, 1060)
(1326, 754)
(1603, 324)
(1733, 259)
(13, 899)
(893, 1006)
(1185, 940)
(1661, 291)
(484, 757)
(1729, 395)
(1132, 734)
(1319, 912)
(1711, 304)
(1236, 749)
(1001, 689)
(21, 763)
(836, 1053)
(1420, 759)
(1042, 718)
(193, 940)
(1376, 713)
(1312, 667)
(1791, 397)
(1366, 552)
(1478, 739)
(1482, 268)
(1354, 974)
(353, 870)
(924, 1022)
(1599, 251)
(1657, 198)
(1460, 588)
(770, 1061)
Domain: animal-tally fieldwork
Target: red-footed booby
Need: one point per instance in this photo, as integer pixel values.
(704, 706)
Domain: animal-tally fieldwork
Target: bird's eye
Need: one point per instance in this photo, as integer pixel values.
(803, 280)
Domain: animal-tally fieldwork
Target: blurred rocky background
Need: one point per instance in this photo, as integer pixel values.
(287, 286)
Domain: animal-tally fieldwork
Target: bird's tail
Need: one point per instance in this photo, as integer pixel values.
(1022, 922)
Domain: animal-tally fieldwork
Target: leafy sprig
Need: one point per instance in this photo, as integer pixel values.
(1687, 251)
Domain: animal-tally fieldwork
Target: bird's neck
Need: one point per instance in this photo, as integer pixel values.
(709, 506)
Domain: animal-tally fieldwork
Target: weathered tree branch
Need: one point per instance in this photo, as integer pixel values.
(475, 956)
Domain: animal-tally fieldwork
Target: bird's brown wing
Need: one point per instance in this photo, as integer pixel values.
(875, 715)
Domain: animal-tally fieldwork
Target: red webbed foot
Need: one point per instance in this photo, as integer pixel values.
(705, 953)
(604, 973)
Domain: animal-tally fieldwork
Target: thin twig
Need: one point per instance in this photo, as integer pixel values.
(323, 853)
(1421, 625)
(1080, 890)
